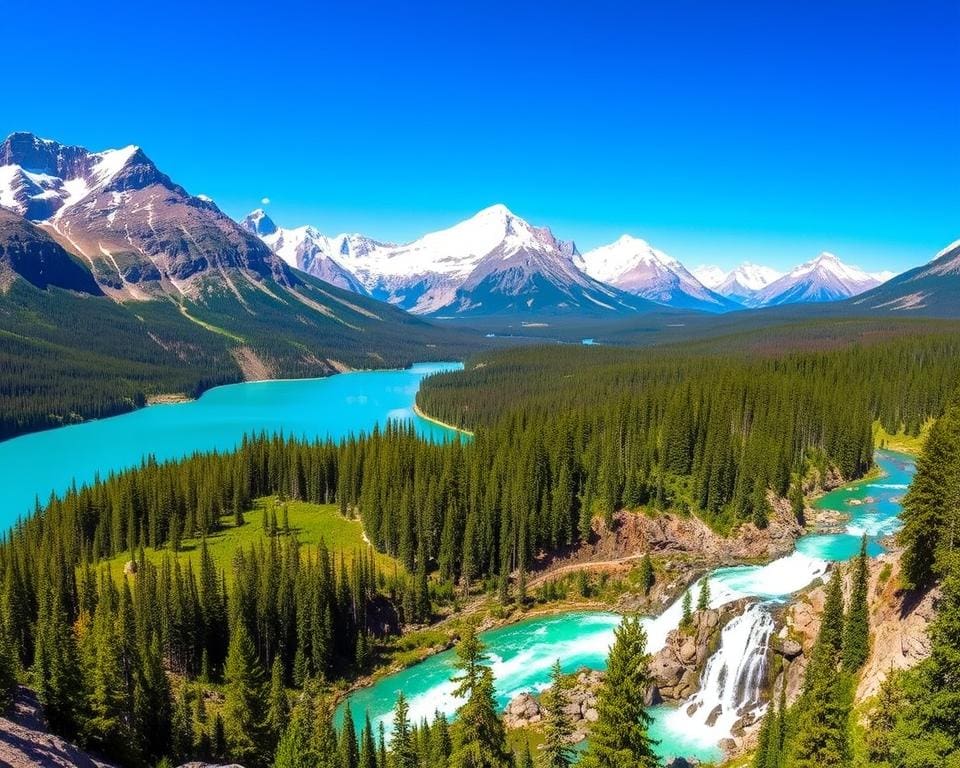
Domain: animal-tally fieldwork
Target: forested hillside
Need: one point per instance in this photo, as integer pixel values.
(914, 720)
(67, 357)
(710, 431)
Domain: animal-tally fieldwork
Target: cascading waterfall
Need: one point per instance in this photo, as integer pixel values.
(732, 679)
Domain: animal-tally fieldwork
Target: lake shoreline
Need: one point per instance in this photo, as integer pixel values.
(445, 425)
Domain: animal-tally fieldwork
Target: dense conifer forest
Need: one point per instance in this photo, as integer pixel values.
(705, 431)
(563, 435)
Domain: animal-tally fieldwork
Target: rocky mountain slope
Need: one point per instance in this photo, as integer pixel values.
(308, 250)
(930, 289)
(26, 741)
(114, 278)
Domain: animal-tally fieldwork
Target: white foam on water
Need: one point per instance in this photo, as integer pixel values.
(731, 681)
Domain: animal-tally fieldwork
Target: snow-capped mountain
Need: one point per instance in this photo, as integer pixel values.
(425, 276)
(492, 263)
(633, 265)
(308, 250)
(825, 278)
(746, 280)
(141, 234)
(710, 275)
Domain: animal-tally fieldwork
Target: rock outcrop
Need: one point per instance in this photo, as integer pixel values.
(26, 741)
(524, 711)
(898, 627)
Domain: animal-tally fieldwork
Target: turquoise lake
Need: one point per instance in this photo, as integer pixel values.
(43, 462)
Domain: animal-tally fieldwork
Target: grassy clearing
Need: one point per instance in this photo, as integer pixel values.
(901, 441)
(309, 522)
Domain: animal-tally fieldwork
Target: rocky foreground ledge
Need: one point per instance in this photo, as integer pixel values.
(26, 741)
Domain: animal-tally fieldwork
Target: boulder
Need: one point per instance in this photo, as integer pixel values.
(789, 648)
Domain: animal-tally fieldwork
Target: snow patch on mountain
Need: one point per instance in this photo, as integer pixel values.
(40, 179)
(710, 275)
(824, 278)
(635, 266)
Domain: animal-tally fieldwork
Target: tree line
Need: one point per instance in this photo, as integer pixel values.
(706, 432)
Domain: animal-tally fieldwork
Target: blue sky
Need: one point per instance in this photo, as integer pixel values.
(718, 131)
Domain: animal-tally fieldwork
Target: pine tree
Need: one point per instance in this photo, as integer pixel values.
(368, 745)
(686, 618)
(797, 502)
(349, 748)
(646, 574)
(441, 744)
(856, 637)
(8, 674)
(278, 706)
(761, 757)
(703, 598)
(56, 667)
(557, 726)
(479, 738)
(402, 747)
(931, 507)
(526, 759)
(295, 749)
(620, 737)
(822, 737)
(152, 704)
(245, 694)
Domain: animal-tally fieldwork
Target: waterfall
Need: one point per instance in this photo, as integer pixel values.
(731, 681)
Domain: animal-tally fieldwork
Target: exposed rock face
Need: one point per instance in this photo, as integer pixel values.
(898, 623)
(26, 742)
(209, 765)
(29, 252)
(898, 627)
(676, 668)
(141, 234)
(525, 710)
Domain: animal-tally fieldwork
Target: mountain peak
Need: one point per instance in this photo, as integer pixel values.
(497, 210)
(259, 223)
(824, 278)
(633, 265)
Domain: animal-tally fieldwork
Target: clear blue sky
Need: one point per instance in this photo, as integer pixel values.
(719, 131)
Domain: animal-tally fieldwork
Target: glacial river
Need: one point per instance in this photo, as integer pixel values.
(522, 653)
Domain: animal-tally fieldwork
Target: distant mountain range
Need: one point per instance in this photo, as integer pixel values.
(494, 263)
(141, 236)
(633, 265)
(497, 263)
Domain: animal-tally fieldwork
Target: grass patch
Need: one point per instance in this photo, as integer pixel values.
(308, 522)
(901, 441)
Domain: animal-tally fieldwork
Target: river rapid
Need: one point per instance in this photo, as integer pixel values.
(522, 654)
